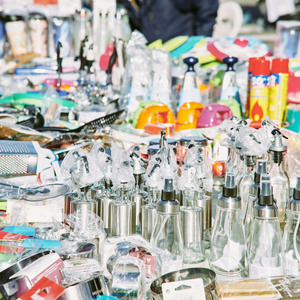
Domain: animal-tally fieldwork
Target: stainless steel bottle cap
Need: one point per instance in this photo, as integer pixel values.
(168, 207)
(198, 140)
(266, 212)
(294, 205)
(157, 141)
(229, 202)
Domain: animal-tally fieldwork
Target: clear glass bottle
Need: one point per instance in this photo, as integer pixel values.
(279, 178)
(228, 247)
(291, 235)
(245, 181)
(138, 194)
(167, 233)
(192, 229)
(261, 168)
(265, 249)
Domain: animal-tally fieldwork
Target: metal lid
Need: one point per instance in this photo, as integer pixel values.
(277, 145)
(266, 212)
(198, 140)
(168, 207)
(157, 141)
(46, 191)
(294, 205)
(153, 149)
(229, 202)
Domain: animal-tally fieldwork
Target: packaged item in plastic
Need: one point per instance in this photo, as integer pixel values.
(128, 278)
(245, 289)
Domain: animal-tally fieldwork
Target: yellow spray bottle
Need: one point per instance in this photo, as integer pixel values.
(278, 88)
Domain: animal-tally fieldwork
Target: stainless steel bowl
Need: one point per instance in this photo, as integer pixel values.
(9, 287)
(208, 276)
(88, 289)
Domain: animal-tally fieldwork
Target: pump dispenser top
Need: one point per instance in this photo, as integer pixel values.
(228, 198)
(261, 168)
(265, 207)
(190, 62)
(168, 202)
(266, 195)
(230, 188)
(230, 61)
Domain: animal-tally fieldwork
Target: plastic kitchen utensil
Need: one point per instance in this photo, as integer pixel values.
(92, 125)
(213, 115)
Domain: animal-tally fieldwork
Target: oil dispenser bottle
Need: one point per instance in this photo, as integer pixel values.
(291, 235)
(279, 179)
(122, 214)
(149, 209)
(167, 234)
(246, 181)
(138, 195)
(192, 220)
(261, 168)
(228, 247)
(265, 247)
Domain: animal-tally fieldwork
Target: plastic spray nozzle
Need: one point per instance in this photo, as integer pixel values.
(298, 183)
(266, 193)
(190, 62)
(230, 61)
(162, 137)
(168, 187)
(230, 180)
(264, 177)
(168, 192)
(261, 167)
(296, 194)
(265, 188)
(85, 164)
(230, 188)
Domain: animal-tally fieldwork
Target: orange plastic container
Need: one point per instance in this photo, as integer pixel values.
(188, 115)
(155, 114)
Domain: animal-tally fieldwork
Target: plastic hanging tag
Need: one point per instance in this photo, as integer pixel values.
(44, 289)
(192, 289)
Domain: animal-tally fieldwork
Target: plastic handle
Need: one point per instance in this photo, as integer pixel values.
(190, 62)
(230, 61)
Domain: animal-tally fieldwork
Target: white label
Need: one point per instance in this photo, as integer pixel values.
(192, 289)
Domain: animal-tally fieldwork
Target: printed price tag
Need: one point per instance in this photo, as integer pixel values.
(192, 289)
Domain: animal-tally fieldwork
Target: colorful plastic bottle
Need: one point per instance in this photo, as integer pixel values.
(190, 91)
(259, 94)
(230, 90)
(250, 69)
(278, 88)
